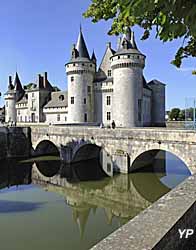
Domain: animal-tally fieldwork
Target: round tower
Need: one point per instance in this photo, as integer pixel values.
(10, 103)
(127, 65)
(80, 74)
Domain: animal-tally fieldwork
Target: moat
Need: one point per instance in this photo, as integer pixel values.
(45, 205)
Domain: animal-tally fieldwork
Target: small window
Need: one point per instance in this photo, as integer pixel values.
(85, 117)
(72, 78)
(58, 117)
(89, 89)
(139, 110)
(74, 64)
(65, 118)
(109, 167)
(72, 100)
(109, 73)
(118, 57)
(83, 64)
(91, 65)
(108, 100)
(6, 104)
(33, 95)
(84, 100)
(108, 116)
(128, 56)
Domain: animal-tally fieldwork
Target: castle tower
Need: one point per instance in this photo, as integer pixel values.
(127, 65)
(80, 74)
(14, 93)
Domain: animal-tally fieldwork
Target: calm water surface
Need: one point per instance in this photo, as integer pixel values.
(45, 205)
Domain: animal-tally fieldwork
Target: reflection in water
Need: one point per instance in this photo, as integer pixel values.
(78, 202)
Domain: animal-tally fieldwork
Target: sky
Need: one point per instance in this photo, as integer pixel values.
(37, 36)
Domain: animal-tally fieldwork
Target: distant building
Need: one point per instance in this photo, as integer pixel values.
(116, 91)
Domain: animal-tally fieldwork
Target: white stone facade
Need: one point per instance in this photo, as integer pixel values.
(116, 91)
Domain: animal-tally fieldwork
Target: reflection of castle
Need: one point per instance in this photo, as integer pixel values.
(116, 91)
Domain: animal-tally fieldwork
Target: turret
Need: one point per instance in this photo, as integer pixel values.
(127, 66)
(12, 96)
(10, 102)
(80, 74)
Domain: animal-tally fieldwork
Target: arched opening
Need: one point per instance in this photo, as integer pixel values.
(87, 163)
(155, 172)
(45, 148)
(86, 152)
(48, 168)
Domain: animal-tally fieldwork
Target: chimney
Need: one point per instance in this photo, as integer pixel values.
(45, 79)
(40, 81)
(10, 80)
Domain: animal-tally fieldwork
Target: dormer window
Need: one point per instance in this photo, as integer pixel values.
(61, 98)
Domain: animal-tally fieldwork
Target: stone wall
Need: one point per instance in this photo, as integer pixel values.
(157, 227)
(15, 142)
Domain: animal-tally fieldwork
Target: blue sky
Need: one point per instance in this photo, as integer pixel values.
(36, 36)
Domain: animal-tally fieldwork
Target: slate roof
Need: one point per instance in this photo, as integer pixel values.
(58, 99)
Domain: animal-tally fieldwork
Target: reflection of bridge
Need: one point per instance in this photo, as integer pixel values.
(121, 196)
(123, 145)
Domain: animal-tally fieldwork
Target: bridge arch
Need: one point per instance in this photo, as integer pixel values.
(145, 157)
(46, 147)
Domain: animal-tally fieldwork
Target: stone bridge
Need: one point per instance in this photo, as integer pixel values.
(121, 146)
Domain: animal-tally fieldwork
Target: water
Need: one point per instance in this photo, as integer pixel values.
(46, 206)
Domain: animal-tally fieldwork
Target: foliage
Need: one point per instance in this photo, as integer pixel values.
(174, 114)
(172, 19)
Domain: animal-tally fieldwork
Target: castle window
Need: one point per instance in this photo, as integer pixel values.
(89, 89)
(83, 64)
(58, 117)
(65, 118)
(128, 56)
(108, 100)
(74, 64)
(108, 116)
(91, 65)
(18, 112)
(6, 104)
(109, 73)
(72, 100)
(72, 78)
(61, 98)
(139, 110)
(85, 117)
(84, 100)
(32, 94)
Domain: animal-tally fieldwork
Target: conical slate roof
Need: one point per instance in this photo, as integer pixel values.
(93, 57)
(81, 46)
(17, 84)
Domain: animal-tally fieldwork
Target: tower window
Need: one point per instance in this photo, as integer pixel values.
(74, 64)
(6, 104)
(72, 100)
(139, 110)
(89, 89)
(58, 117)
(84, 100)
(32, 94)
(109, 73)
(118, 57)
(108, 116)
(85, 117)
(108, 100)
(72, 78)
(128, 56)
(83, 64)
(61, 97)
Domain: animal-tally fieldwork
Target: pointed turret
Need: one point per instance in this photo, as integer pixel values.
(93, 57)
(81, 46)
(18, 87)
(133, 43)
(17, 83)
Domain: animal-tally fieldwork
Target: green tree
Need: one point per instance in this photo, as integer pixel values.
(181, 115)
(174, 114)
(172, 19)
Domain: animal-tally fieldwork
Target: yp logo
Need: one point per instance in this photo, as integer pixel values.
(185, 233)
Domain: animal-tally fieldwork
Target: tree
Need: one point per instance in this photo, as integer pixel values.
(174, 114)
(181, 115)
(172, 19)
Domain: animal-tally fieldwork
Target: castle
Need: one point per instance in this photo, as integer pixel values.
(117, 91)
